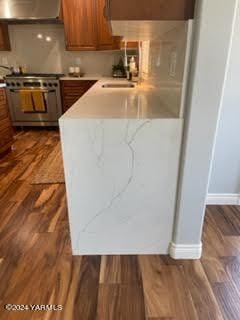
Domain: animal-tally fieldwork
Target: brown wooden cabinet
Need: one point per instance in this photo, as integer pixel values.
(72, 90)
(6, 131)
(105, 39)
(86, 27)
(4, 38)
(80, 24)
(130, 45)
(150, 9)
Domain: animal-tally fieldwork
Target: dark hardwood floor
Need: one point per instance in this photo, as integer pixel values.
(36, 265)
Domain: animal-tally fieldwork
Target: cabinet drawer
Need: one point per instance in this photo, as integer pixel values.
(2, 97)
(77, 84)
(73, 97)
(72, 90)
(70, 102)
(77, 92)
(3, 113)
(3, 102)
(6, 137)
(4, 123)
(2, 92)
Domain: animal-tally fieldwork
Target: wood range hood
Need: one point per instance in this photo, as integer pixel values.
(146, 19)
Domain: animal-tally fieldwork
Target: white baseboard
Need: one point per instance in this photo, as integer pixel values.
(223, 199)
(185, 251)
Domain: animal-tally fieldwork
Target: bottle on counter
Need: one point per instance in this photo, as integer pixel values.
(133, 70)
(132, 64)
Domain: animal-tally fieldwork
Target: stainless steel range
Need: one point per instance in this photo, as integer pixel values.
(34, 99)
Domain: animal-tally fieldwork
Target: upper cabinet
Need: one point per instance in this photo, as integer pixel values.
(150, 9)
(80, 24)
(104, 36)
(4, 38)
(130, 45)
(86, 27)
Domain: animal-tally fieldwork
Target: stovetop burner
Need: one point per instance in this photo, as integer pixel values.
(35, 75)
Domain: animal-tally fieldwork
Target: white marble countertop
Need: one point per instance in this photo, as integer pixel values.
(141, 102)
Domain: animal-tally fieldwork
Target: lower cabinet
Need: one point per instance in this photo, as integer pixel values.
(72, 90)
(6, 131)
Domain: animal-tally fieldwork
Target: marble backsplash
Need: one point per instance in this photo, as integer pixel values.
(164, 64)
(42, 49)
(163, 60)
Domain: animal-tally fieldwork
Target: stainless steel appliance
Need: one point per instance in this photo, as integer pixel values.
(48, 85)
(31, 11)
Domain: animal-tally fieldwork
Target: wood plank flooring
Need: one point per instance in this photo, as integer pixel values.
(36, 265)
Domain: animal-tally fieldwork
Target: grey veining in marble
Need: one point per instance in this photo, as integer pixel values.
(121, 177)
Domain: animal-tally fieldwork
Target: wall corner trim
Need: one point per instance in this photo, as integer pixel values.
(223, 199)
(185, 251)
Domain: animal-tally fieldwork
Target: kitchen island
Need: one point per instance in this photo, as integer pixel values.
(121, 150)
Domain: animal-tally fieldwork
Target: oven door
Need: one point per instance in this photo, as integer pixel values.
(49, 115)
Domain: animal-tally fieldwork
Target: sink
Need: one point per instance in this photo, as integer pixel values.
(118, 85)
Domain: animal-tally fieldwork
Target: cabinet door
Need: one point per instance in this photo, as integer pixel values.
(104, 35)
(6, 131)
(72, 90)
(4, 38)
(130, 45)
(80, 24)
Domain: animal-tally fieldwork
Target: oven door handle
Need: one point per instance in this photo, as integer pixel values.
(43, 91)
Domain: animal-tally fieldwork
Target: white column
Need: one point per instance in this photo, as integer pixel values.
(213, 38)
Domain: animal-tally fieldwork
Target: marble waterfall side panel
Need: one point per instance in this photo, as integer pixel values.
(121, 178)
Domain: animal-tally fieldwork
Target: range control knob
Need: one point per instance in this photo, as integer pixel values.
(50, 84)
(18, 84)
(8, 84)
(13, 84)
(44, 84)
(55, 84)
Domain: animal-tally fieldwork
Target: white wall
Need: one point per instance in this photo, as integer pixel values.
(225, 178)
(42, 56)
